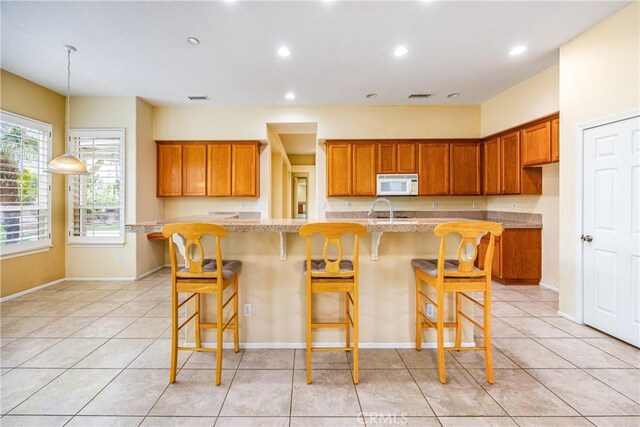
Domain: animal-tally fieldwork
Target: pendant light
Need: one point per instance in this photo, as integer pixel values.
(68, 164)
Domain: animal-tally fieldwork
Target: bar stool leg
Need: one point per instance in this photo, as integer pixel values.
(174, 333)
(356, 327)
(219, 331)
(347, 324)
(440, 333)
(488, 356)
(197, 319)
(308, 325)
(458, 320)
(236, 332)
(418, 310)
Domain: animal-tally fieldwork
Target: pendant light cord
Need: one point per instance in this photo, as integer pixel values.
(68, 102)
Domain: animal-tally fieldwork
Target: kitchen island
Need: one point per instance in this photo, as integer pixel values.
(274, 284)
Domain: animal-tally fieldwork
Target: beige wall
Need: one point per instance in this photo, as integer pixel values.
(149, 254)
(535, 97)
(599, 77)
(23, 97)
(89, 261)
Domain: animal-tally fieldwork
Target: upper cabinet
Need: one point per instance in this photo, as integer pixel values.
(491, 166)
(396, 157)
(351, 168)
(465, 168)
(169, 170)
(433, 168)
(510, 167)
(245, 169)
(364, 169)
(540, 142)
(339, 169)
(208, 169)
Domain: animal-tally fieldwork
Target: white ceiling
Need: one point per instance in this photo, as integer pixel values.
(342, 50)
(299, 143)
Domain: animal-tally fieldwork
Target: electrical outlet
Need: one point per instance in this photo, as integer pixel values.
(242, 206)
(434, 205)
(348, 205)
(474, 205)
(247, 310)
(120, 261)
(323, 205)
(515, 205)
(431, 310)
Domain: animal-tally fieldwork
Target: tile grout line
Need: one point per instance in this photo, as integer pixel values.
(416, 383)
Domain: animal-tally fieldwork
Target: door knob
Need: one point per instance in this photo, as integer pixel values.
(586, 238)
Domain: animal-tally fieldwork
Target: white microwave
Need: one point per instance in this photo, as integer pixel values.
(397, 185)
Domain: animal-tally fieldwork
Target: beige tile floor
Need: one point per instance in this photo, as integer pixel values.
(97, 354)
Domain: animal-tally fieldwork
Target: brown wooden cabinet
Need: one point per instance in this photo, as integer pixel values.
(517, 258)
(208, 168)
(364, 169)
(396, 157)
(339, 169)
(219, 170)
(433, 168)
(536, 144)
(464, 163)
(491, 166)
(510, 167)
(555, 140)
(245, 169)
(169, 170)
(194, 170)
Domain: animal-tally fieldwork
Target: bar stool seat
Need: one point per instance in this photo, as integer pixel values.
(229, 267)
(430, 266)
(320, 266)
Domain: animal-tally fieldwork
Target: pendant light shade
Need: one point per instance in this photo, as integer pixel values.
(68, 164)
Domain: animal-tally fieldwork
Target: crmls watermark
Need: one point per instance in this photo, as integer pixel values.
(382, 418)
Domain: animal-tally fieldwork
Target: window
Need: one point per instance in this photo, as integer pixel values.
(25, 190)
(96, 200)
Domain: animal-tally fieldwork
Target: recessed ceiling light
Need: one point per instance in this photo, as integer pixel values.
(517, 50)
(400, 51)
(284, 51)
(193, 41)
(290, 95)
(453, 95)
(372, 95)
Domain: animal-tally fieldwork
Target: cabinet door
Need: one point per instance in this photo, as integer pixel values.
(364, 169)
(339, 169)
(406, 162)
(433, 168)
(536, 144)
(510, 168)
(245, 170)
(219, 170)
(169, 173)
(555, 140)
(491, 166)
(465, 168)
(387, 157)
(194, 170)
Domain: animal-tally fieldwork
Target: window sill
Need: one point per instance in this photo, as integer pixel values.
(96, 245)
(26, 252)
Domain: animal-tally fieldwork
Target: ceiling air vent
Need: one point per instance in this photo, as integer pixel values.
(199, 98)
(420, 95)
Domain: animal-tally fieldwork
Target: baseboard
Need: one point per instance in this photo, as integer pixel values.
(28, 291)
(302, 345)
(101, 279)
(548, 286)
(567, 316)
(150, 272)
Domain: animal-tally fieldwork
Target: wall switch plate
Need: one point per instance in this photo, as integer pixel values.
(431, 310)
(434, 205)
(474, 205)
(120, 261)
(247, 310)
(242, 205)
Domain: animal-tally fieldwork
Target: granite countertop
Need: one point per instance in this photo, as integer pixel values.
(234, 224)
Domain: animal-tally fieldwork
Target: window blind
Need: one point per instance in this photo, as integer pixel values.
(97, 199)
(25, 192)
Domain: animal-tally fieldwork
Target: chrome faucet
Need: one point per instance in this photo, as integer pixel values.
(381, 199)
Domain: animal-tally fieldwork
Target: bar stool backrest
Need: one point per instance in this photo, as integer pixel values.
(190, 235)
(471, 233)
(332, 232)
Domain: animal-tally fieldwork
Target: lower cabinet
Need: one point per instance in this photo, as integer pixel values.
(517, 258)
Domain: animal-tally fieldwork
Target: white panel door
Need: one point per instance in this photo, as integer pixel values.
(611, 230)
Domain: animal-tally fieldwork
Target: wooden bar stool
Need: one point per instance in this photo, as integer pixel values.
(338, 275)
(201, 276)
(458, 276)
